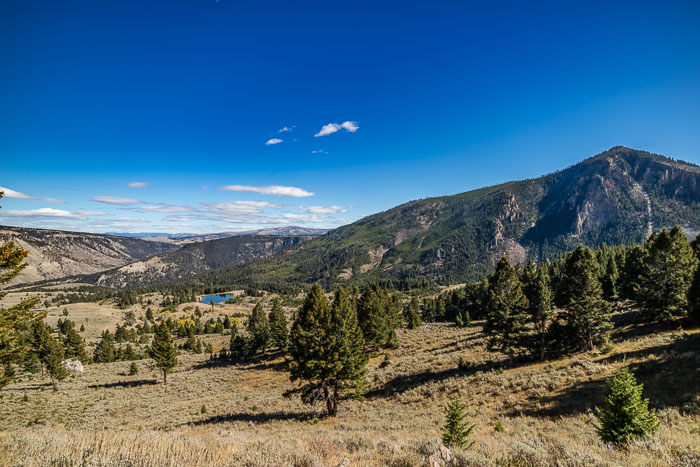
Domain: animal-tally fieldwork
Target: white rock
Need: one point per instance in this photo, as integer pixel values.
(441, 457)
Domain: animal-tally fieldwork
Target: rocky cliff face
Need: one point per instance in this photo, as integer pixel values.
(55, 254)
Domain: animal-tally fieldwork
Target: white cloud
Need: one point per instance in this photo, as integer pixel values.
(323, 210)
(331, 128)
(272, 141)
(45, 212)
(319, 151)
(166, 208)
(138, 184)
(240, 207)
(270, 190)
(115, 200)
(9, 193)
(286, 129)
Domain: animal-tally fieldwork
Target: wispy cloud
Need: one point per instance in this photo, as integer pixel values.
(323, 210)
(319, 151)
(115, 200)
(286, 129)
(138, 185)
(272, 141)
(9, 193)
(276, 190)
(166, 208)
(51, 212)
(331, 128)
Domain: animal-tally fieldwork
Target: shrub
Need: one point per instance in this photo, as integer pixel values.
(625, 415)
(499, 428)
(203, 410)
(133, 369)
(456, 429)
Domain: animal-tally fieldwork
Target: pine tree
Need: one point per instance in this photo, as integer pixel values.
(53, 359)
(694, 298)
(668, 271)
(587, 313)
(105, 352)
(163, 351)
(258, 328)
(456, 430)
(625, 415)
(609, 280)
(631, 272)
(133, 369)
(506, 311)
(379, 317)
(327, 349)
(16, 320)
(278, 326)
(539, 297)
(412, 314)
(75, 346)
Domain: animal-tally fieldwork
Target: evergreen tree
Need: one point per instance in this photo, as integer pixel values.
(631, 272)
(379, 317)
(540, 300)
(105, 352)
(278, 326)
(412, 314)
(75, 346)
(163, 351)
(625, 415)
(694, 298)
(609, 280)
(506, 311)
(258, 328)
(16, 320)
(327, 349)
(456, 430)
(133, 369)
(53, 359)
(587, 313)
(668, 271)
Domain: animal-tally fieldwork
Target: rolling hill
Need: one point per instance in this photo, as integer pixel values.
(194, 258)
(616, 197)
(54, 254)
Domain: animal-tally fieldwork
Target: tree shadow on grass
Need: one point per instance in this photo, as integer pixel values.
(406, 382)
(255, 418)
(125, 384)
(671, 379)
(258, 362)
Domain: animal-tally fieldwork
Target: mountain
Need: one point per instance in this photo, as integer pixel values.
(194, 258)
(183, 239)
(616, 197)
(54, 254)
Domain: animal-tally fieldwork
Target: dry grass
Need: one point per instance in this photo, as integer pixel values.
(106, 418)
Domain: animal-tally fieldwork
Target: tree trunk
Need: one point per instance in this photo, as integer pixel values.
(329, 402)
(165, 376)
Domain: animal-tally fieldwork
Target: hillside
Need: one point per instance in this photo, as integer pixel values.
(54, 254)
(183, 239)
(616, 197)
(196, 258)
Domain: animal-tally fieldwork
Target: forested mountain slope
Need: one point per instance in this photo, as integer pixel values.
(616, 197)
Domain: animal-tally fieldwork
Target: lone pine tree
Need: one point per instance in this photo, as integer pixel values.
(379, 317)
(163, 350)
(624, 414)
(327, 349)
(456, 430)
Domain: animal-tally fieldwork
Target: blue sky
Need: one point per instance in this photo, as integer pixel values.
(153, 116)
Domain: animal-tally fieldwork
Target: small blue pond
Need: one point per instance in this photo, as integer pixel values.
(218, 298)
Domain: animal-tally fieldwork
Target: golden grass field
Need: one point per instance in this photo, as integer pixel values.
(104, 417)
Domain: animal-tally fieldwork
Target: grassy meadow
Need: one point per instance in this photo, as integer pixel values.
(212, 413)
